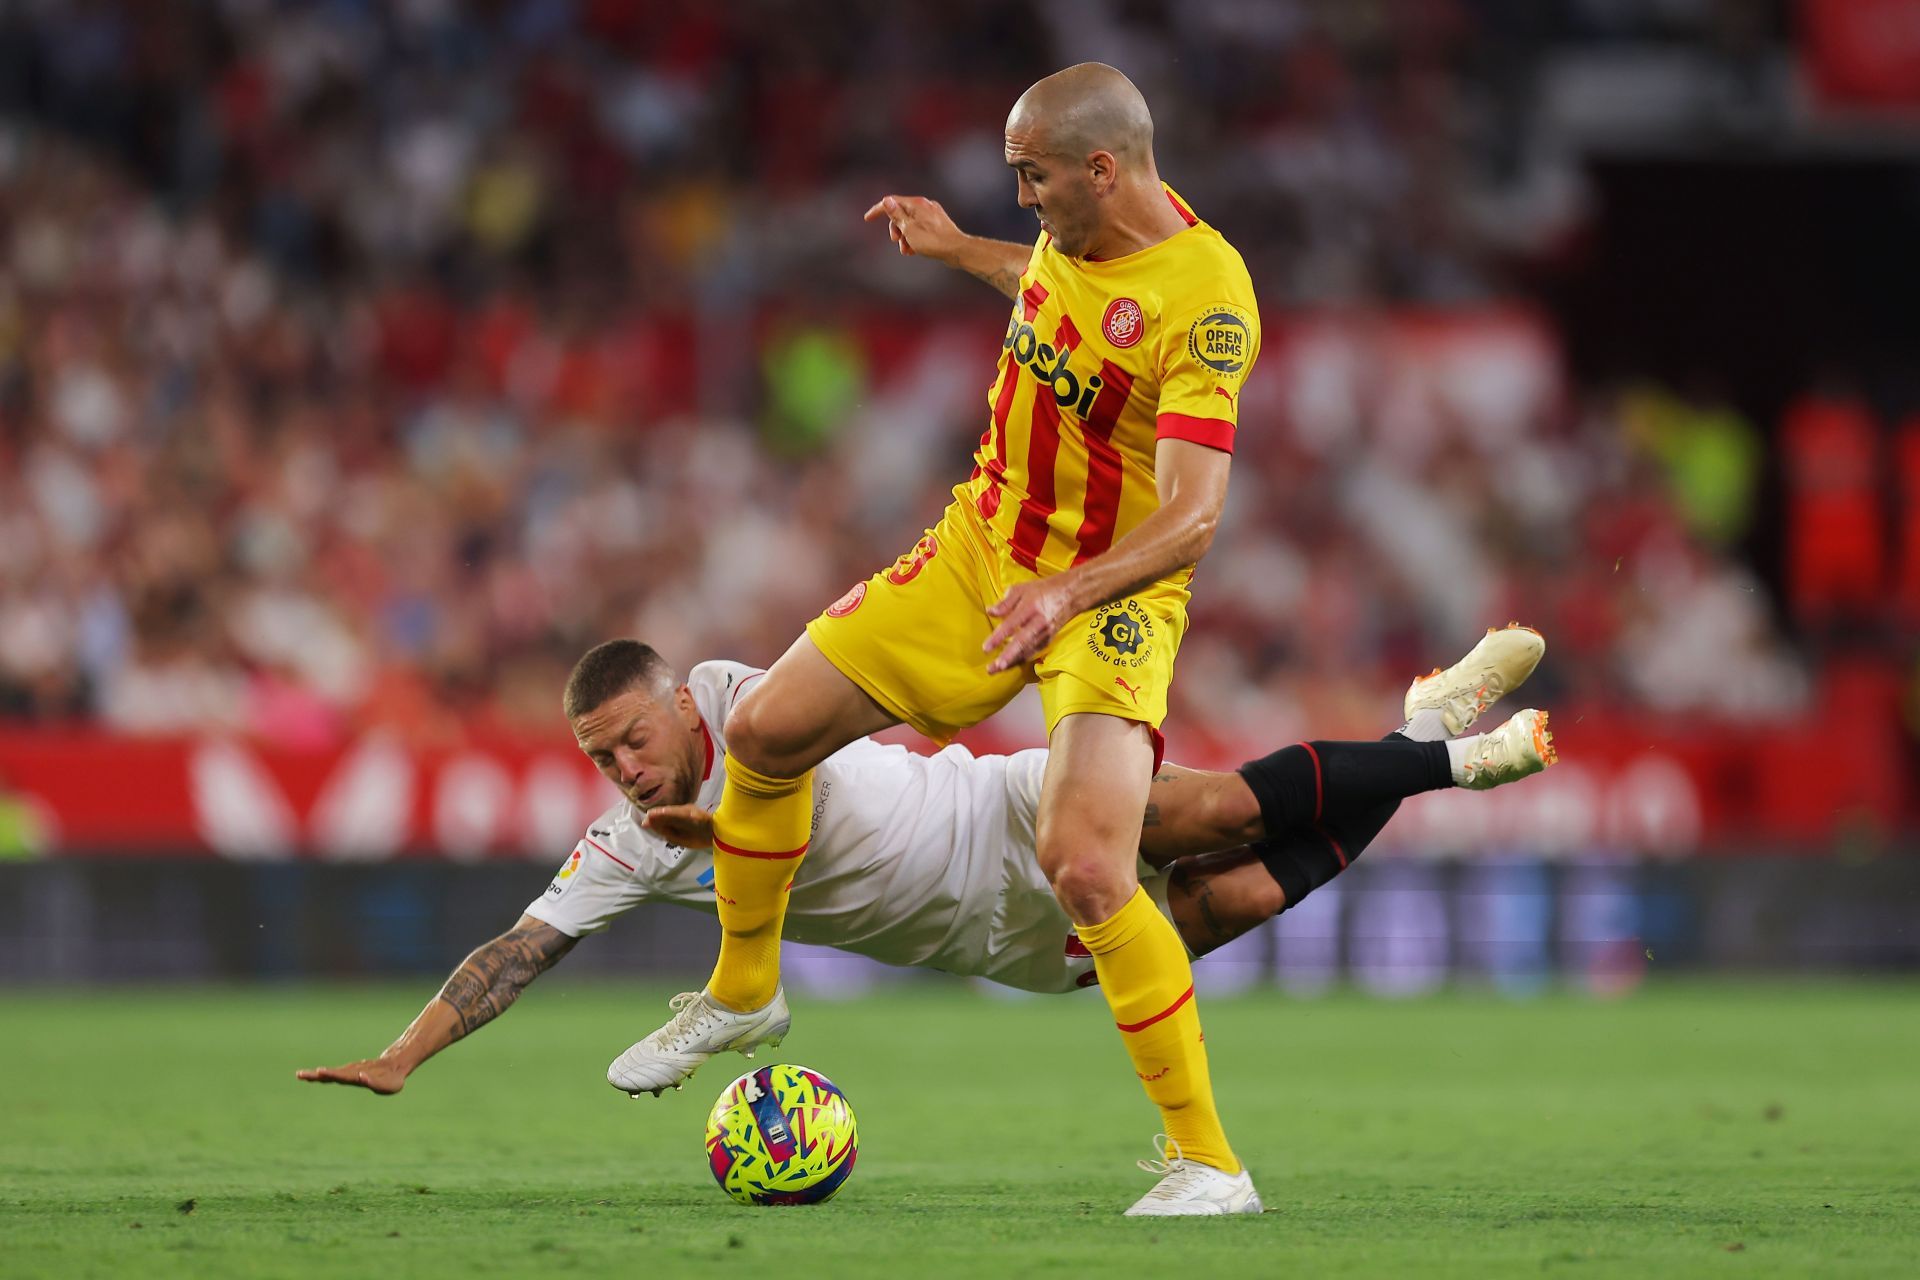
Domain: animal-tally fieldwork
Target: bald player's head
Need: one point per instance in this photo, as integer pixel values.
(1078, 140)
(1087, 108)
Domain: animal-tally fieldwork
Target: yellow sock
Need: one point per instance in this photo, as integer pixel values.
(759, 836)
(1148, 983)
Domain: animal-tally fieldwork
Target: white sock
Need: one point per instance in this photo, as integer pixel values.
(1427, 725)
(1459, 751)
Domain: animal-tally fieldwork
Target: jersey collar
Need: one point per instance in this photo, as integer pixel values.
(1178, 208)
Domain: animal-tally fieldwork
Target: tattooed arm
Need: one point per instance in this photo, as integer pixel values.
(479, 991)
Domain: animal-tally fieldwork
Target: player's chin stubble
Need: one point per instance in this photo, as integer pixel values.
(679, 791)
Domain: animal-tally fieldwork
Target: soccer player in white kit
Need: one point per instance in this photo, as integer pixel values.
(929, 861)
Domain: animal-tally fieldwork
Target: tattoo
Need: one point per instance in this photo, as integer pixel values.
(1007, 282)
(1197, 887)
(1152, 818)
(1166, 775)
(493, 977)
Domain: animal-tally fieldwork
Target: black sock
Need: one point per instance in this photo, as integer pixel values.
(1301, 785)
(1344, 811)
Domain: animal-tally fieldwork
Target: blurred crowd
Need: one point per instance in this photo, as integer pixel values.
(361, 364)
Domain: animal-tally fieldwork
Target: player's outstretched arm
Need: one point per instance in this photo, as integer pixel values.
(921, 227)
(479, 991)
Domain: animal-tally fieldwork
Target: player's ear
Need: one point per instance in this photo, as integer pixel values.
(1103, 171)
(684, 704)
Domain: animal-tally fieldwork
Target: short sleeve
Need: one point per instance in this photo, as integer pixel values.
(1205, 353)
(594, 885)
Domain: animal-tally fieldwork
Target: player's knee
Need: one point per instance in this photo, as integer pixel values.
(756, 738)
(1265, 898)
(1090, 888)
(1232, 813)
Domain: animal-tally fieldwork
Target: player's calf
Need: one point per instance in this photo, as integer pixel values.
(1216, 897)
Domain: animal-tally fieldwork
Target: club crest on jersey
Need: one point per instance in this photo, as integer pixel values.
(847, 603)
(1121, 634)
(1222, 338)
(1123, 324)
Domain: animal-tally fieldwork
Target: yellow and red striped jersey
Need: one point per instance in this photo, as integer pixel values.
(1103, 358)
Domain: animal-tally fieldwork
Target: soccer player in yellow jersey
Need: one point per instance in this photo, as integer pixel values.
(1063, 560)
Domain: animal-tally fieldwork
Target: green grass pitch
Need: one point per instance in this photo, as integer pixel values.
(1710, 1130)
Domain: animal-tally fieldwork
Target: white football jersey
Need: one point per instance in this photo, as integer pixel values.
(914, 860)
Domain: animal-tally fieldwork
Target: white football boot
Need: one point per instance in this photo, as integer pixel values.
(1517, 749)
(700, 1028)
(1498, 665)
(1189, 1189)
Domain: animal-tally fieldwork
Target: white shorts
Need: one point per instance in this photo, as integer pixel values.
(1032, 943)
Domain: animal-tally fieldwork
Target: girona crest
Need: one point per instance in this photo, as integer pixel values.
(1123, 323)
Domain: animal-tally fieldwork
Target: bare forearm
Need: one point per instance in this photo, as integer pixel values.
(1192, 483)
(484, 986)
(997, 262)
(1167, 541)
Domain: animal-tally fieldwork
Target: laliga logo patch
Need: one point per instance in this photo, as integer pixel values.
(1123, 324)
(847, 603)
(1222, 339)
(559, 885)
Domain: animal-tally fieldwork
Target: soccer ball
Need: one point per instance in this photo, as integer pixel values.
(782, 1135)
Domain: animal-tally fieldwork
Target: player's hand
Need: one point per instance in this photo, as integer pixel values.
(1030, 613)
(919, 226)
(687, 825)
(377, 1074)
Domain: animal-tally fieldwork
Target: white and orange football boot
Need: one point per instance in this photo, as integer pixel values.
(1520, 748)
(1495, 667)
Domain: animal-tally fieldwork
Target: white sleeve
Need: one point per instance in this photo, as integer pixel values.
(592, 887)
(718, 685)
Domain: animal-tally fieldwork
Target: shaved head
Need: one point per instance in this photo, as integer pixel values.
(1086, 108)
(1080, 144)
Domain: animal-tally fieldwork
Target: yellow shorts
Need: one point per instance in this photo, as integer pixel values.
(911, 636)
